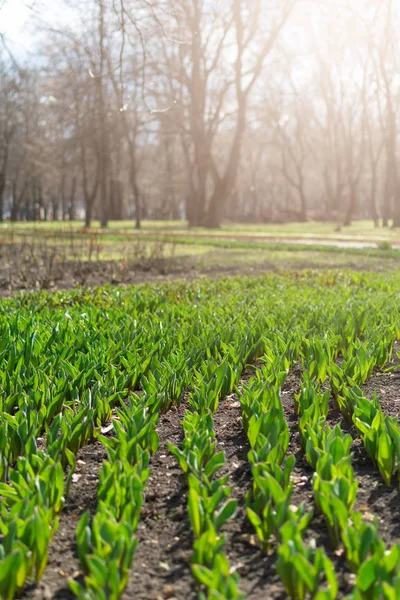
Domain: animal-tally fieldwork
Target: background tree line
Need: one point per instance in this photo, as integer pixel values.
(248, 110)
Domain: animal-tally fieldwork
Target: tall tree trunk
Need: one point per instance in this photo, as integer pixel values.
(374, 212)
(88, 215)
(71, 206)
(396, 210)
(136, 197)
(225, 185)
(388, 195)
(133, 177)
(104, 191)
(3, 171)
(195, 207)
(55, 208)
(172, 209)
(351, 207)
(373, 208)
(303, 205)
(2, 191)
(14, 205)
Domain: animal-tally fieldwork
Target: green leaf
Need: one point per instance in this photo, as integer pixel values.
(366, 576)
(385, 457)
(304, 571)
(391, 559)
(214, 464)
(203, 575)
(226, 512)
(195, 512)
(253, 518)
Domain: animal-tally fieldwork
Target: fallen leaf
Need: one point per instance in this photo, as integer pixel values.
(299, 479)
(235, 568)
(107, 429)
(252, 541)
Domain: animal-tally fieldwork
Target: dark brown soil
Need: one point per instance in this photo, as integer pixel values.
(63, 561)
(20, 277)
(256, 569)
(386, 385)
(69, 275)
(374, 497)
(302, 476)
(161, 567)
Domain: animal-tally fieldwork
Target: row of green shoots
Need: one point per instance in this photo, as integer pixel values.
(327, 450)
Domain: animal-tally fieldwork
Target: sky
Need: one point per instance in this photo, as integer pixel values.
(17, 17)
(16, 21)
(13, 18)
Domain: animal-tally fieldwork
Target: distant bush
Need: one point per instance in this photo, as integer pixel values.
(385, 246)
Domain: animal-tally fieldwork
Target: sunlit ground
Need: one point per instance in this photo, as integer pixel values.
(249, 260)
(243, 249)
(358, 230)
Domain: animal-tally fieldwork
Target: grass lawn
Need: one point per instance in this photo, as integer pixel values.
(359, 230)
(51, 255)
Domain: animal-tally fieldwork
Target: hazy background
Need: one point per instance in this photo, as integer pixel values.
(241, 110)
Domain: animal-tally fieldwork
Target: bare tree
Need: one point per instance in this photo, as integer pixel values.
(204, 110)
(8, 124)
(212, 73)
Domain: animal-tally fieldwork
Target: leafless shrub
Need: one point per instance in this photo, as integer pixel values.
(47, 262)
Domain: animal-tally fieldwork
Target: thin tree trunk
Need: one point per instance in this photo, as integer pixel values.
(103, 123)
(2, 190)
(71, 207)
(303, 203)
